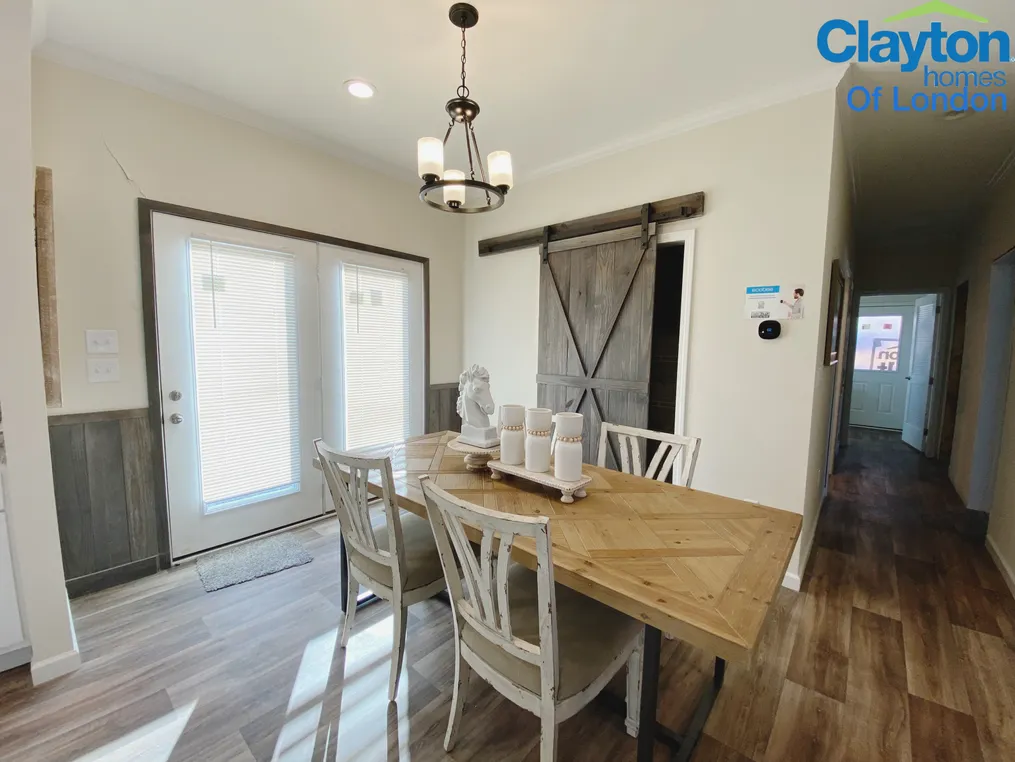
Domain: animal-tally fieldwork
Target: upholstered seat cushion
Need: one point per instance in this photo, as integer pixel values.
(589, 636)
(421, 557)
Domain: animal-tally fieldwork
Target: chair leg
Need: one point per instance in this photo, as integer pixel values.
(548, 738)
(399, 613)
(350, 608)
(462, 674)
(634, 688)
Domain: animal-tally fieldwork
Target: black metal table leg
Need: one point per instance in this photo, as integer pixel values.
(649, 694)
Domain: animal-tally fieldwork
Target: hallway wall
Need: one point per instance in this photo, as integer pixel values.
(992, 238)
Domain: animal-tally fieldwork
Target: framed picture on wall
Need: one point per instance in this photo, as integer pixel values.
(833, 325)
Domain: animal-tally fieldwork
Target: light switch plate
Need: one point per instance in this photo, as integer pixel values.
(102, 342)
(103, 370)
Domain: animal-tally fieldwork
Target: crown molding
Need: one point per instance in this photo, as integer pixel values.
(828, 79)
(74, 58)
(79, 60)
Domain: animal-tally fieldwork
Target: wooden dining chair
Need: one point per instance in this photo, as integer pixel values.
(396, 558)
(548, 649)
(671, 446)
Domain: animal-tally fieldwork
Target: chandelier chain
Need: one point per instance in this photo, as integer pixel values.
(463, 90)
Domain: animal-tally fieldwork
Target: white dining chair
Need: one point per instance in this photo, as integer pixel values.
(548, 649)
(671, 447)
(396, 559)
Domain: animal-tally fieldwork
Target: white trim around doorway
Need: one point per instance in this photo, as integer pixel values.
(671, 233)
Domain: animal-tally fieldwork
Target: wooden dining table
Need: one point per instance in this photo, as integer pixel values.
(698, 566)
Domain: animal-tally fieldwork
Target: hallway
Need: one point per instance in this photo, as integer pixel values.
(899, 648)
(905, 629)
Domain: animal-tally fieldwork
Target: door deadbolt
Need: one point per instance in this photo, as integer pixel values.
(176, 418)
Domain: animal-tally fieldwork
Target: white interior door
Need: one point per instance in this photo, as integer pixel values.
(920, 368)
(373, 347)
(239, 357)
(883, 349)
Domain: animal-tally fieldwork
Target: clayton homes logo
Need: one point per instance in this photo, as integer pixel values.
(945, 88)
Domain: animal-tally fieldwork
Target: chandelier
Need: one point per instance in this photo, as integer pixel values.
(449, 189)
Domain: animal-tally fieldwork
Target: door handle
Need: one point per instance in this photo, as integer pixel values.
(909, 378)
(176, 418)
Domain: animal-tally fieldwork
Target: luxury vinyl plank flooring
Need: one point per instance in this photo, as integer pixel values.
(900, 648)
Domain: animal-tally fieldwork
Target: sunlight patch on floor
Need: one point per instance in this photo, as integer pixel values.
(153, 742)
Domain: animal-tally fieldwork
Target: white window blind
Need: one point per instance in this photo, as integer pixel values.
(375, 315)
(245, 357)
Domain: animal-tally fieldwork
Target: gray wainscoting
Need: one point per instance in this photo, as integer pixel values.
(103, 474)
(440, 408)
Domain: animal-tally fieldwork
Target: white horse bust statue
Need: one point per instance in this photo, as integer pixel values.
(475, 406)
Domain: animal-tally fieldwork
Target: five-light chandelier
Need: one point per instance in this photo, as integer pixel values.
(449, 189)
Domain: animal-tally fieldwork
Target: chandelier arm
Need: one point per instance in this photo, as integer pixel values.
(468, 148)
(447, 134)
(479, 157)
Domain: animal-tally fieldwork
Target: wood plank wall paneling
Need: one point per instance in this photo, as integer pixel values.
(103, 474)
(441, 414)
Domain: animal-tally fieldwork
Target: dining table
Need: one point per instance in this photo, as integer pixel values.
(697, 566)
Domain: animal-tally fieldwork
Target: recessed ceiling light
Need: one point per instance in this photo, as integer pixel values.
(359, 88)
(956, 114)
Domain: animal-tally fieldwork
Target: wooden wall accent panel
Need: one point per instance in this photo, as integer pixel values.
(45, 258)
(441, 413)
(73, 501)
(139, 483)
(103, 473)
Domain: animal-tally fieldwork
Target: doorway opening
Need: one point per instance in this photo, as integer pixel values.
(893, 364)
(662, 402)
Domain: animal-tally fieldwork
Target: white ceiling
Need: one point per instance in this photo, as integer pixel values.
(558, 81)
(918, 172)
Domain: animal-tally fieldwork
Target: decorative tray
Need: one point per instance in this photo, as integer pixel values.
(568, 490)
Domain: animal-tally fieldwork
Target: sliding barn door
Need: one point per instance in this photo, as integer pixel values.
(596, 297)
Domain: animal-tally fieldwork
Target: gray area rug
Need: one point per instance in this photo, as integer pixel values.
(250, 561)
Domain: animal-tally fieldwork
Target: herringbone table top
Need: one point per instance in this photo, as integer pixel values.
(701, 567)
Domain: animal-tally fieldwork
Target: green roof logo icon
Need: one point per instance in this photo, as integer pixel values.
(940, 8)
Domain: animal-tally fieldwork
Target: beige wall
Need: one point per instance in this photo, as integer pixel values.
(766, 177)
(828, 380)
(179, 154)
(992, 238)
(31, 509)
(906, 262)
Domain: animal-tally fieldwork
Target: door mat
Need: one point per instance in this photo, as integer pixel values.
(251, 560)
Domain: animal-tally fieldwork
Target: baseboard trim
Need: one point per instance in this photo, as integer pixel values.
(794, 580)
(15, 656)
(1006, 571)
(56, 666)
(118, 575)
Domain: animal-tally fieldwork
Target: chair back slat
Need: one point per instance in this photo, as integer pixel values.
(348, 479)
(673, 461)
(484, 601)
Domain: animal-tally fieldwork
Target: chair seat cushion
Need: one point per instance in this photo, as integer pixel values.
(421, 557)
(589, 636)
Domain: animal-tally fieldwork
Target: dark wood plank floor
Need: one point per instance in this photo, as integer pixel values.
(900, 647)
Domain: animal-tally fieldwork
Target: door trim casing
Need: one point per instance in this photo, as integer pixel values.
(675, 233)
(146, 209)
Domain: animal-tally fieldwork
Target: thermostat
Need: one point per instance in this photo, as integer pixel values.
(769, 329)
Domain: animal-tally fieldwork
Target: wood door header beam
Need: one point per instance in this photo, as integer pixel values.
(668, 210)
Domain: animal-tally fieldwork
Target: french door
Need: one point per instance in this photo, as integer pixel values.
(265, 344)
(373, 347)
(239, 338)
